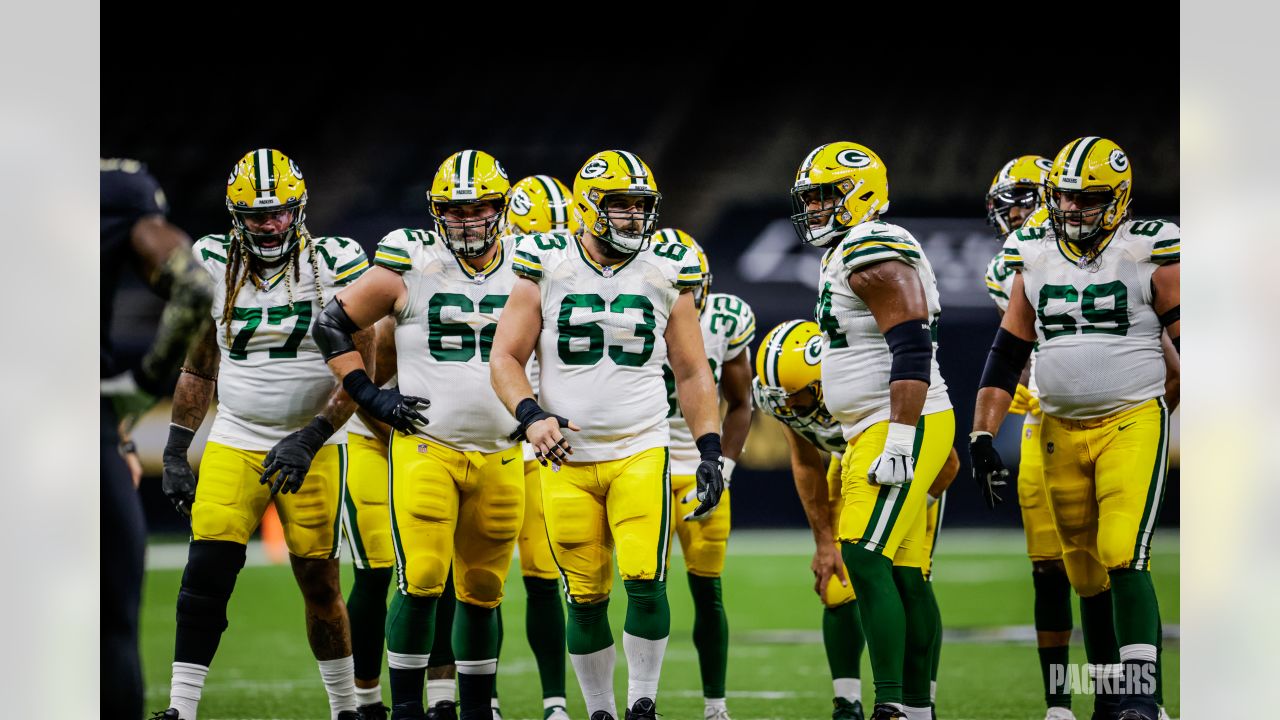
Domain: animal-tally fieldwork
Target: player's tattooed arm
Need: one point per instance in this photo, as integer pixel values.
(895, 296)
(384, 368)
(196, 384)
(735, 385)
(340, 406)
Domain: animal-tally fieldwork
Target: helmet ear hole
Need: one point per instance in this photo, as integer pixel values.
(866, 196)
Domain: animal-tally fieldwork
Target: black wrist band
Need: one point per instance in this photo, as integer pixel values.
(709, 446)
(529, 412)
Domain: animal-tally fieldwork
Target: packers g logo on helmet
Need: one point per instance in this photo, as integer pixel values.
(788, 382)
(1088, 190)
(468, 196)
(615, 177)
(703, 290)
(539, 204)
(837, 187)
(1018, 184)
(266, 182)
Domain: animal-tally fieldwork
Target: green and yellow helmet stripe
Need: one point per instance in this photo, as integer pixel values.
(802, 177)
(634, 166)
(557, 203)
(1075, 159)
(773, 351)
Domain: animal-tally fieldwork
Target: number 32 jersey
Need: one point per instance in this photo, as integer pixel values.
(1099, 338)
(602, 349)
(272, 378)
(444, 335)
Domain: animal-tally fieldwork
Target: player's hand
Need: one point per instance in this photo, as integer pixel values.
(541, 430)
(177, 480)
(988, 469)
(387, 405)
(726, 472)
(291, 458)
(896, 465)
(827, 564)
(128, 399)
(710, 487)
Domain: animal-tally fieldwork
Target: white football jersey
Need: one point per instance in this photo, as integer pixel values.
(856, 359)
(601, 350)
(999, 281)
(728, 327)
(273, 378)
(1098, 350)
(444, 335)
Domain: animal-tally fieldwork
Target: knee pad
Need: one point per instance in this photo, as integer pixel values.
(426, 571)
(207, 582)
(1086, 573)
(481, 586)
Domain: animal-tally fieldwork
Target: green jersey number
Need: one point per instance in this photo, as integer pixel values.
(594, 334)
(1113, 320)
(725, 311)
(673, 250)
(464, 348)
(252, 319)
(827, 319)
(673, 399)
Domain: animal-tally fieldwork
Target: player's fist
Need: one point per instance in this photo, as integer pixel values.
(988, 469)
(177, 480)
(896, 465)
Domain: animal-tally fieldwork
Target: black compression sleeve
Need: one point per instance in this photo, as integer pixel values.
(912, 348)
(1009, 354)
(333, 331)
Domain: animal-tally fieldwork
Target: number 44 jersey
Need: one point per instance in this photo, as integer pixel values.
(602, 348)
(272, 378)
(1099, 338)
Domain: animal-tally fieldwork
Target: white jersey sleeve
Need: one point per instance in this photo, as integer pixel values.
(444, 335)
(856, 359)
(1098, 350)
(728, 327)
(273, 379)
(602, 346)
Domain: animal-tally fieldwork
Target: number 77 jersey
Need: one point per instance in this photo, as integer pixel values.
(1099, 338)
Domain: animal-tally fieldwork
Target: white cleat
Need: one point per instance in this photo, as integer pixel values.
(1163, 715)
(1059, 713)
(558, 713)
(716, 713)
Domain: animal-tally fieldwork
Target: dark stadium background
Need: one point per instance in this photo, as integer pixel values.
(723, 140)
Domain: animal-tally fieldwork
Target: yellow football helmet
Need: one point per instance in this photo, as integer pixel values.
(845, 183)
(539, 204)
(1019, 184)
(788, 364)
(621, 179)
(1088, 190)
(264, 183)
(703, 290)
(472, 188)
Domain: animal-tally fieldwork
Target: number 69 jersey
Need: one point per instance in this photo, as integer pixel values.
(856, 359)
(272, 378)
(602, 349)
(728, 327)
(444, 335)
(1099, 338)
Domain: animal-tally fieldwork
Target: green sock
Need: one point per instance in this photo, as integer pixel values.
(544, 625)
(922, 632)
(1100, 646)
(710, 633)
(367, 608)
(1137, 615)
(588, 628)
(442, 648)
(1160, 667)
(842, 636)
(1053, 614)
(475, 640)
(883, 619)
(501, 628)
(937, 642)
(648, 613)
(410, 630)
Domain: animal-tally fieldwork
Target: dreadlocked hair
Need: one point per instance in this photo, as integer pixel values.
(238, 259)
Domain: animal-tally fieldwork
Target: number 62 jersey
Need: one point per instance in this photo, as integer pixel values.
(1099, 338)
(272, 378)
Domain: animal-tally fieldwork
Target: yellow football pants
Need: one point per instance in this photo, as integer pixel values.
(703, 542)
(535, 548)
(366, 518)
(230, 500)
(1105, 480)
(447, 505)
(835, 594)
(1033, 499)
(591, 508)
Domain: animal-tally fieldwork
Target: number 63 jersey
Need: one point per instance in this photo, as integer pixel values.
(272, 378)
(1099, 338)
(602, 349)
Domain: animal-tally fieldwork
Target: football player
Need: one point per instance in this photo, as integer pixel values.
(1093, 291)
(878, 311)
(605, 309)
(1014, 198)
(788, 387)
(273, 438)
(728, 327)
(135, 234)
(457, 483)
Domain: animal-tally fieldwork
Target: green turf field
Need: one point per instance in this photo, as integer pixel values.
(777, 668)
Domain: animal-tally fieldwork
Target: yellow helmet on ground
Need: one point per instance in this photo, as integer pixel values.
(788, 382)
(838, 186)
(539, 204)
(701, 292)
(619, 180)
(1087, 191)
(1020, 184)
(266, 182)
(472, 187)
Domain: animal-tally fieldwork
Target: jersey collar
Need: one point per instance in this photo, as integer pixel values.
(490, 267)
(602, 270)
(1075, 257)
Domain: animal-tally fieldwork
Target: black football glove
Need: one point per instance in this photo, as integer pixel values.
(709, 476)
(988, 469)
(291, 458)
(388, 405)
(177, 480)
